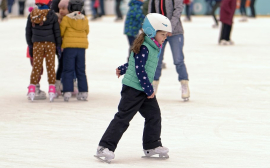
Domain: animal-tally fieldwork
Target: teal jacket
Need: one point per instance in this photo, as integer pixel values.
(130, 79)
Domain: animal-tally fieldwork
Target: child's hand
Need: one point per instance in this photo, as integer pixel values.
(118, 72)
(152, 96)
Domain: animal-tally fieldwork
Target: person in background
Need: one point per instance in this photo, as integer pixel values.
(227, 9)
(133, 21)
(43, 38)
(10, 4)
(4, 8)
(252, 9)
(21, 7)
(74, 31)
(188, 9)
(243, 11)
(119, 16)
(101, 6)
(172, 10)
(213, 12)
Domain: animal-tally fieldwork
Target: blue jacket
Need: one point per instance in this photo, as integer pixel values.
(134, 18)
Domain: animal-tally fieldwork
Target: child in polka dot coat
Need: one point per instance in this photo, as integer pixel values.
(43, 38)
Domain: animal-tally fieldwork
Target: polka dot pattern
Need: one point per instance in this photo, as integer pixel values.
(41, 50)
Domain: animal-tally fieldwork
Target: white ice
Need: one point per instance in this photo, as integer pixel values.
(226, 123)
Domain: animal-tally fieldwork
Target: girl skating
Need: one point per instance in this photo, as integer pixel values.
(137, 92)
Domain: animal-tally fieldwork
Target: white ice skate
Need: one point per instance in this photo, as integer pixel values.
(39, 94)
(104, 154)
(31, 92)
(58, 88)
(82, 96)
(155, 86)
(67, 95)
(161, 151)
(52, 93)
(75, 89)
(185, 90)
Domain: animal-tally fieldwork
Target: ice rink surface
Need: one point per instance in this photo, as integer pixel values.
(226, 123)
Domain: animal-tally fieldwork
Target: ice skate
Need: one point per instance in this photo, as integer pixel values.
(185, 90)
(230, 42)
(223, 42)
(243, 19)
(104, 154)
(82, 96)
(31, 92)
(155, 86)
(52, 93)
(67, 95)
(215, 26)
(58, 88)
(39, 94)
(75, 89)
(163, 65)
(161, 151)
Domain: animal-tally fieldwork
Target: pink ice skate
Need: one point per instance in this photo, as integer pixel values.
(52, 93)
(31, 92)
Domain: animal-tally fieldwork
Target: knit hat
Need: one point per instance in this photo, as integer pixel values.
(63, 4)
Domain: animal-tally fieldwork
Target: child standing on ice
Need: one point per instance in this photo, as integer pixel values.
(39, 94)
(43, 37)
(137, 91)
(74, 30)
(63, 11)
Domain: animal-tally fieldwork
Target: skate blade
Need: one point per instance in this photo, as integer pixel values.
(157, 156)
(40, 98)
(103, 160)
(186, 99)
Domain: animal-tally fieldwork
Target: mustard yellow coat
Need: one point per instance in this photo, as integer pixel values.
(74, 32)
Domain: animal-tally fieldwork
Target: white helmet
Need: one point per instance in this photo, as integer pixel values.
(154, 22)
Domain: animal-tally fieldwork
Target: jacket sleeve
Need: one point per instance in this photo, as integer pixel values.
(54, 5)
(63, 26)
(178, 8)
(28, 32)
(57, 33)
(87, 28)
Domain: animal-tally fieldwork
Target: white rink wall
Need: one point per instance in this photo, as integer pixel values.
(225, 124)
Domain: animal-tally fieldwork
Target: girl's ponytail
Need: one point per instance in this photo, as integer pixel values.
(137, 43)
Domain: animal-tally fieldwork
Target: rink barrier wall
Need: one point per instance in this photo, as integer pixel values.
(199, 7)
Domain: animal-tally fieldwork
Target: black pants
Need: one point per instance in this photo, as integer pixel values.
(132, 101)
(21, 7)
(243, 7)
(225, 32)
(252, 9)
(117, 8)
(188, 12)
(4, 14)
(60, 68)
(214, 8)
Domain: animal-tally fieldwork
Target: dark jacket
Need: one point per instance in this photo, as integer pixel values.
(48, 30)
(227, 9)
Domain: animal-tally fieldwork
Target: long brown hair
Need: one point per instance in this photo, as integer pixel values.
(137, 43)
